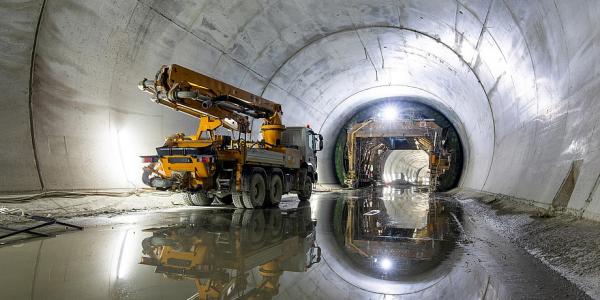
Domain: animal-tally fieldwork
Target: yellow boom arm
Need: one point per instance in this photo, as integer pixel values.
(199, 95)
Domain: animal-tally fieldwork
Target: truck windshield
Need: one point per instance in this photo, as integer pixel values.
(311, 141)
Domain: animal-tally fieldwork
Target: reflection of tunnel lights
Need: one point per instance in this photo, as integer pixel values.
(372, 212)
(385, 263)
(124, 152)
(389, 113)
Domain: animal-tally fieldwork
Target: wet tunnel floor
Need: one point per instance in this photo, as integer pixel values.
(363, 244)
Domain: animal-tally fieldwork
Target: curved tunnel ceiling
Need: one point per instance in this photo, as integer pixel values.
(409, 165)
(510, 75)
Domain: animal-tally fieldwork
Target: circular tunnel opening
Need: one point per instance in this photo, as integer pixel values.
(398, 141)
(405, 167)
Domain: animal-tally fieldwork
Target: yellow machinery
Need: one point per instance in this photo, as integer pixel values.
(219, 161)
(220, 250)
(423, 133)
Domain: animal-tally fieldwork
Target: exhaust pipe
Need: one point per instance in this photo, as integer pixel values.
(207, 104)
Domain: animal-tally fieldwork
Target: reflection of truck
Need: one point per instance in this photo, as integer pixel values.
(219, 250)
(229, 167)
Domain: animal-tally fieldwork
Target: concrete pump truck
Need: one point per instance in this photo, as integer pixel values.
(220, 162)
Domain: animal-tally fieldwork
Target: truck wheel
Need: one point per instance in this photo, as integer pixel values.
(275, 190)
(199, 198)
(253, 229)
(273, 224)
(236, 218)
(306, 191)
(238, 201)
(255, 196)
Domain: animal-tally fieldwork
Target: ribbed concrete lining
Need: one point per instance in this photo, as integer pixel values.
(519, 79)
(409, 165)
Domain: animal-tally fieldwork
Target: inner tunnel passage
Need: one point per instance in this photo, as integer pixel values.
(406, 166)
(402, 142)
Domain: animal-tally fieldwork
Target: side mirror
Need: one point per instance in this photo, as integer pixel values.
(320, 142)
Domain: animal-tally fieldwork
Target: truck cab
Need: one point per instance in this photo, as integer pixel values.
(308, 143)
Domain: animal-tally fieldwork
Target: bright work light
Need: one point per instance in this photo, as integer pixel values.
(389, 113)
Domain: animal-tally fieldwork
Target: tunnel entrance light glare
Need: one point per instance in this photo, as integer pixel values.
(389, 113)
(385, 263)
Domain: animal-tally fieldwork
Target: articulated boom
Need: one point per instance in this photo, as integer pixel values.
(199, 95)
(207, 165)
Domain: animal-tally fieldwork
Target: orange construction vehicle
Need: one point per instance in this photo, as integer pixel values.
(219, 161)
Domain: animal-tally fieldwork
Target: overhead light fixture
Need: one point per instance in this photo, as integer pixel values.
(389, 113)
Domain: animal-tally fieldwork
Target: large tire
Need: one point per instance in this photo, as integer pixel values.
(275, 190)
(273, 224)
(238, 201)
(236, 218)
(253, 229)
(199, 198)
(257, 191)
(306, 190)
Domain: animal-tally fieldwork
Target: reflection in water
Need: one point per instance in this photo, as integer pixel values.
(374, 242)
(219, 250)
(394, 234)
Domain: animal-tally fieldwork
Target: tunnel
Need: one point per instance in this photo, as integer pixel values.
(411, 165)
(517, 81)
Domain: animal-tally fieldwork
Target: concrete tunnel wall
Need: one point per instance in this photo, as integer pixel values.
(519, 80)
(409, 165)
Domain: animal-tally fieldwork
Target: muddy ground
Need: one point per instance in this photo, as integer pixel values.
(567, 244)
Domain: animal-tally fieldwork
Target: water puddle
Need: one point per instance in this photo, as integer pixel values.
(394, 234)
(230, 254)
(351, 245)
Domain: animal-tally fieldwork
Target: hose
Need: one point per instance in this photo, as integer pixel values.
(11, 211)
(15, 199)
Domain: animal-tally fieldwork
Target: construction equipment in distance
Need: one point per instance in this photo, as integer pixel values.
(420, 134)
(214, 163)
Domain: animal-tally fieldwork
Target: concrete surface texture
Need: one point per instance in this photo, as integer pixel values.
(519, 80)
(567, 244)
(409, 165)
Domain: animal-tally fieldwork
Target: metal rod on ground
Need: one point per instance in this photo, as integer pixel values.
(30, 230)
